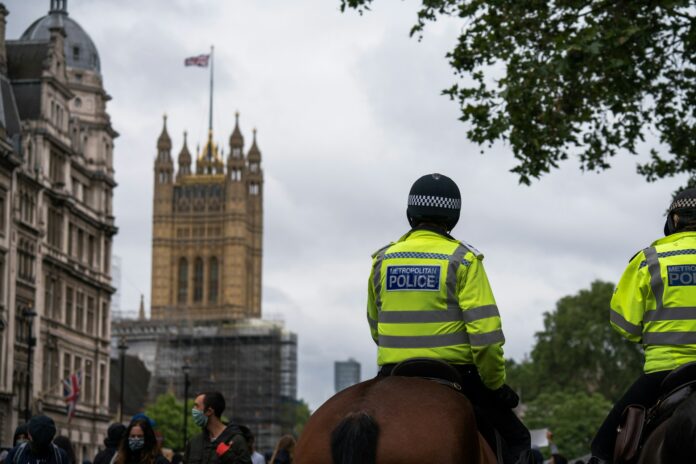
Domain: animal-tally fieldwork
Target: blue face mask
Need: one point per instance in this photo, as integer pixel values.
(199, 418)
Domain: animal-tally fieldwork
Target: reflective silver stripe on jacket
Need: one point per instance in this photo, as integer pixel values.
(417, 317)
(670, 314)
(438, 315)
(481, 312)
(455, 260)
(372, 322)
(487, 338)
(620, 321)
(423, 341)
(377, 278)
(656, 283)
(669, 338)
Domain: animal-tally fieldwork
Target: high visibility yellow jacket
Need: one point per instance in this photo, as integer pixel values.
(428, 296)
(655, 302)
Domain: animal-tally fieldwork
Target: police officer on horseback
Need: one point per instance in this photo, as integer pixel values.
(429, 297)
(655, 304)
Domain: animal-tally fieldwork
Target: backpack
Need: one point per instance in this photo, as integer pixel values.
(16, 459)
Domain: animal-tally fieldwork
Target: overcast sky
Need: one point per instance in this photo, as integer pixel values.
(349, 114)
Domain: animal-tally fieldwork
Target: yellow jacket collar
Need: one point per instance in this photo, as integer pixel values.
(674, 237)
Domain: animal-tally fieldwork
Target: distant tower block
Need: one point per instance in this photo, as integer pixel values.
(346, 373)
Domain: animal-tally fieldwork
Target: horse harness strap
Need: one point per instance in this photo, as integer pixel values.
(447, 383)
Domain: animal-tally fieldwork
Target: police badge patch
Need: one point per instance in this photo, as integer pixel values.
(419, 278)
(682, 275)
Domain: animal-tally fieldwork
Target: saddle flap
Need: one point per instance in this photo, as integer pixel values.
(427, 367)
(629, 433)
(682, 375)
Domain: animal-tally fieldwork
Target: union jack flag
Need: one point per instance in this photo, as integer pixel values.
(71, 392)
(200, 60)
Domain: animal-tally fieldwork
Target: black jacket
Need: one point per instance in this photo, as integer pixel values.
(200, 450)
(104, 456)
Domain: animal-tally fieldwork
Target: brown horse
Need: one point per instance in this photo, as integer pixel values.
(394, 420)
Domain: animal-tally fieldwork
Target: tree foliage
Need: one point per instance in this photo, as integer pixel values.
(587, 78)
(168, 413)
(573, 417)
(295, 414)
(579, 350)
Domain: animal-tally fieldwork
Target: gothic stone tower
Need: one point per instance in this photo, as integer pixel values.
(207, 231)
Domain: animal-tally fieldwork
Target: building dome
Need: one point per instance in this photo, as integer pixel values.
(80, 51)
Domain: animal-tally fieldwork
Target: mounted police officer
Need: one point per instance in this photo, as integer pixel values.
(655, 304)
(429, 297)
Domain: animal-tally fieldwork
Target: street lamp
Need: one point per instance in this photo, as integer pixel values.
(186, 368)
(122, 347)
(29, 315)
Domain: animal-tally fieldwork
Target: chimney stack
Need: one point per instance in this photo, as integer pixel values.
(3, 50)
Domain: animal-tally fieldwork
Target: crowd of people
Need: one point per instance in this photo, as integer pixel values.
(137, 443)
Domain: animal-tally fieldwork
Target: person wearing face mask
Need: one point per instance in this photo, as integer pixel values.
(39, 449)
(218, 443)
(20, 436)
(139, 445)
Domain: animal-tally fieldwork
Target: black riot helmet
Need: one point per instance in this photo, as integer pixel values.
(434, 198)
(684, 204)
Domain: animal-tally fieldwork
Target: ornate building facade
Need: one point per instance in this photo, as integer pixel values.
(206, 229)
(206, 289)
(56, 228)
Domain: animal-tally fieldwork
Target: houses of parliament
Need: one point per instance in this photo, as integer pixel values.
(206, 289)
(207, 230)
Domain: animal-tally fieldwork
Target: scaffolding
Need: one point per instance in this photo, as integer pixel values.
(252, 362)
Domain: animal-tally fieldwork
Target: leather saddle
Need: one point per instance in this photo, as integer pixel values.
(445, 374)
(431, 369)
(638, 423)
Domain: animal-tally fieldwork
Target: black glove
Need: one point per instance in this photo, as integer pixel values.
(507, 396)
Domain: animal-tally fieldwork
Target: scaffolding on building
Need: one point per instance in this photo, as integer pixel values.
(252, 362)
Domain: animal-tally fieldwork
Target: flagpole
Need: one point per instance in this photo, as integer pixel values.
(210, 114)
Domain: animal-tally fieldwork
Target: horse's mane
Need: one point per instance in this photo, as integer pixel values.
(680, 436)
(354, 440)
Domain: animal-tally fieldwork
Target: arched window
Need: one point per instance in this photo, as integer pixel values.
(183, 281)
(213, 280)
(198, 281)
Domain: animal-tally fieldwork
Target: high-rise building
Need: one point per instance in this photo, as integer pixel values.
(56, 227)
(346, 373)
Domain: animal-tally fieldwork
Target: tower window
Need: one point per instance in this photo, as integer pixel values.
(182, 295)
(76, 53)
(198, 281)
(213, 281)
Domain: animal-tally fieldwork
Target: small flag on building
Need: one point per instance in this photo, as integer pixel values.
(71, 392)
(200, 60)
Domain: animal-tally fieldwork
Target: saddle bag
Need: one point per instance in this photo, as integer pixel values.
(628, 434)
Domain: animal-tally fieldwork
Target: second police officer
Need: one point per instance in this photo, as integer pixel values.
(655, 304)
